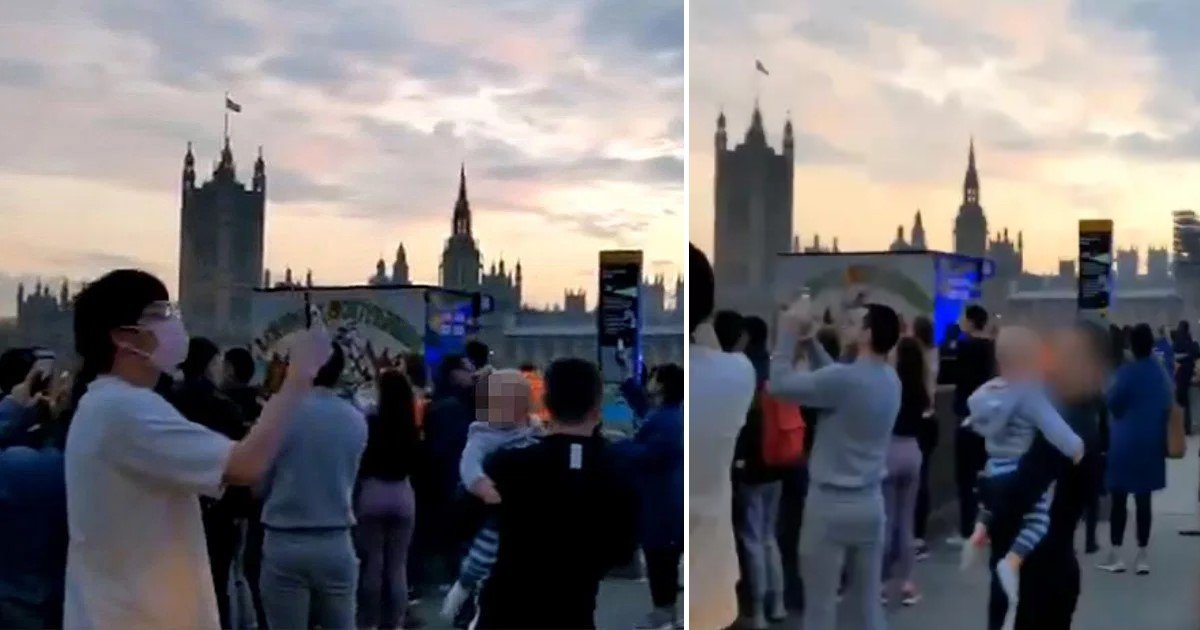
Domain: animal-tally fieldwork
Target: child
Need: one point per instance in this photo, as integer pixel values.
(503, 398)
(1009, 411)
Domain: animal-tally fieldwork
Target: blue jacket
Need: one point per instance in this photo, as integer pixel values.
(656, 456)
(1140, 401)
(33, 530)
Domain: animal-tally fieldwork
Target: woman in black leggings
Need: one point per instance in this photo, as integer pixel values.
(1140, 402)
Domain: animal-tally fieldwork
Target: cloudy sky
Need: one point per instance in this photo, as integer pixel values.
(1080, 109)
(568, 114)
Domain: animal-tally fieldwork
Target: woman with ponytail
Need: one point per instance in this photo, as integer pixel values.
(135, 466)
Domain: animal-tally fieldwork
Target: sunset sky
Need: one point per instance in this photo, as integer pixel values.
(568, 114)
(1085, 109)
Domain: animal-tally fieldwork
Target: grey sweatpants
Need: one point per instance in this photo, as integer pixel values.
(842, 528)
(309, 579)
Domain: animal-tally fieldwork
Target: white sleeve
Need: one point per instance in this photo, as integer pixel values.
(150, 438)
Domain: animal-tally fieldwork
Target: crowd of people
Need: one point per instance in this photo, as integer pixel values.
(1044, 422)
(154, 484)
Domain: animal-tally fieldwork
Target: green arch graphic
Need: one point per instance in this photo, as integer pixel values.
(888, 279)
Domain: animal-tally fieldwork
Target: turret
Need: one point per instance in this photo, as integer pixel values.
(64, 294)
(226, 166)
(755, 134)
(267, 278)
(721, 140)
(260, 173)
(308, 278)
(788, 140)
(189, 169)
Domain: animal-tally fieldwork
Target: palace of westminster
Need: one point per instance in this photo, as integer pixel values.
(221, 264)
(754, 213)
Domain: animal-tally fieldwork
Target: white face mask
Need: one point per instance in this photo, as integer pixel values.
(172, 345)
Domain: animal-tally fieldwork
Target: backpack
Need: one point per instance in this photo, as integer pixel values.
(783, 431)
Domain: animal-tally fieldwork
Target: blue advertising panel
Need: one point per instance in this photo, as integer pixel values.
(450, 320)
(959, 281)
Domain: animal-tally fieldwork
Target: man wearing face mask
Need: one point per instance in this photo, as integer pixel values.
(135, 466)
(196, 397)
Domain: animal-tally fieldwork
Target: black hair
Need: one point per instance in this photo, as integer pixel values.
(670, 376)
(922, 329)
(830, 341)
(442, 384)
(911, 368)
(392, 437)
(977, 315)
(1141, 341)
(573, 390)
(416, 370)
(730, 327)
(756, 331)
(15, 364)
(953, 332)
(241, 365)
(478, 353)
(1184, 327)
(331, 372)
(701, 288)
(114, 301)
(201, 352)
(884, 325)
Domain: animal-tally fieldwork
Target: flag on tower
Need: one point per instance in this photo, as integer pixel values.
(232, 106)
(758, 65)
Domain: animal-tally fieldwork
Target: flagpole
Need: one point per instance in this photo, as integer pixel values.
(225, 108)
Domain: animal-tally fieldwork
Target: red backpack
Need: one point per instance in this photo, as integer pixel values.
(783, 430)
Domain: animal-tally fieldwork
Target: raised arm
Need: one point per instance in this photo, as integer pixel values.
(820, 388)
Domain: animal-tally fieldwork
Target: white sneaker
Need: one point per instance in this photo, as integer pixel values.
(1113, 564)
(455, 598)
(1141, 564)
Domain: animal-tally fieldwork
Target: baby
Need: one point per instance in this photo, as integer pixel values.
(503, 398)
(1009, 411)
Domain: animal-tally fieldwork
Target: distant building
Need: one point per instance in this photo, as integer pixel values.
(45, 319)
(753, 215)
(399, 275)
(461, 260)
(221, 247)
(918, 237)
(970, 227)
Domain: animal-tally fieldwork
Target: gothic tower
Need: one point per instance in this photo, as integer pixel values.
(970, 227)
(918, 234)
(221, 247)
(752, 214)
(461, 258)
(400, 267)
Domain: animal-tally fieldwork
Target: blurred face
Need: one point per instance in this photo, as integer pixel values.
(507, 399)
(1076, 371)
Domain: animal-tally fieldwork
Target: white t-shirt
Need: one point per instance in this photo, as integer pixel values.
(720, 390)
(134, 470)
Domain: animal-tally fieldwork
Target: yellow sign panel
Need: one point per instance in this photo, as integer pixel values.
(1096, 225)
(621, 257)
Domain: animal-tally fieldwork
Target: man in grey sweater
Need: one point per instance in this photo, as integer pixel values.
(309, 569)
(844, 515)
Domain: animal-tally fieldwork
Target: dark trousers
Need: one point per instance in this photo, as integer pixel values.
(662, 568)
(969, 459)
(1049, 595)
(252, 563)
(1120, 514)
(221, 536)
(921, 517)
(791, 515)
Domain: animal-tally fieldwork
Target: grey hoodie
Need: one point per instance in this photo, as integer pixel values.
(484, 439)
(1010, 415)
